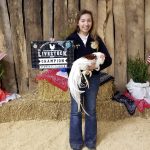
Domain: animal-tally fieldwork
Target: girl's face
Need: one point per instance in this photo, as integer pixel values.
(85, 24)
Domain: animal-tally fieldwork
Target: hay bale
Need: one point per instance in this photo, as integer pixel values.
(50, 102)
(48, 92)
(40, 104)
(30, 107)
(106, 91)
(111, 110)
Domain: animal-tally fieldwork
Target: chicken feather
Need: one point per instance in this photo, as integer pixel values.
(74, 79)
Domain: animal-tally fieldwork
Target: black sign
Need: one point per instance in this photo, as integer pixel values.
(57, 54)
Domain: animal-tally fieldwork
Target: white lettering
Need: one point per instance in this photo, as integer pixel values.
(53, 60)
(46, 53)
(52, 66)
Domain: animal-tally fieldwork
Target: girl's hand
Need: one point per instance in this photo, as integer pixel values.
(92, 66)
(102, 56)
(148, 60)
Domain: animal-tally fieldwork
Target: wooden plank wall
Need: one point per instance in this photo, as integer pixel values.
(9, 76)
(135, 27)
(18, 44)
(124, 26)
(33, 30)
(147, 28)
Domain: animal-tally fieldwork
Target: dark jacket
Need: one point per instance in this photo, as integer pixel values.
(82, 50)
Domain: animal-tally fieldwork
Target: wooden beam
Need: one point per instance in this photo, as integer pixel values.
(105, 28)
(8, 80)
(147, 28)
(47, 19)
(135, 27)
(33, 31)
(101, 17)
(2, 43)
(120, 44)
(60, 19)
(19, 44)
(109, 34)
(73, 8)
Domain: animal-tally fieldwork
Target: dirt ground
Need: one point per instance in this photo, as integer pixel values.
(129, 134)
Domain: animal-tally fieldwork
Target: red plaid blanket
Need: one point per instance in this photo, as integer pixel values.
(51, 77)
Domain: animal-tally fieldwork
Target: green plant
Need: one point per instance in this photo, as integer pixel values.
(138, 70)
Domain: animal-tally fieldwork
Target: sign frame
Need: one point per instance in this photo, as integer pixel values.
(52, 54)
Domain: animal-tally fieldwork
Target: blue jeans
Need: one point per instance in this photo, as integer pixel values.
(90, 133)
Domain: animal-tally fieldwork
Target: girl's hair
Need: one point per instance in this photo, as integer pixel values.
(82, 12)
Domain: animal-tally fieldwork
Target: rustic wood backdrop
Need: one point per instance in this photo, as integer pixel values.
(124, 25)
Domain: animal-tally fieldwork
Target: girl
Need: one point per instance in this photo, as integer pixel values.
(86, 43)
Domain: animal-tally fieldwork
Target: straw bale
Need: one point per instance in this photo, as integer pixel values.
(30, 107)
(48, 92)
(111, 110)
(106, 91)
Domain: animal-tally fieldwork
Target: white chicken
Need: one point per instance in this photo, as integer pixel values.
(79, 68)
